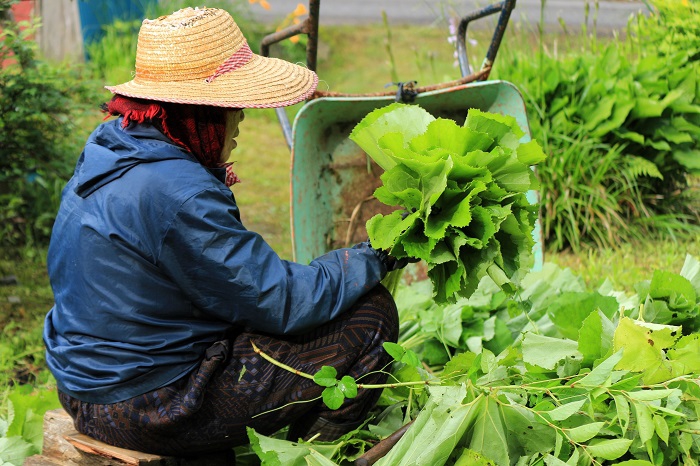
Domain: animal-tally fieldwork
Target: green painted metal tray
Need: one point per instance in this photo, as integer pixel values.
(332, 179)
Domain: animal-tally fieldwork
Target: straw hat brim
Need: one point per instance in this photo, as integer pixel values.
(263, 82)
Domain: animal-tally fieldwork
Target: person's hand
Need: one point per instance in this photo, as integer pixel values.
(390, 262)
(393, 263)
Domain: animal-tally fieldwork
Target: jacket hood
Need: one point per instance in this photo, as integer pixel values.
(111, 151)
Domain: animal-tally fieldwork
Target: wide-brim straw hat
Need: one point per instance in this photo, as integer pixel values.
(199, 56)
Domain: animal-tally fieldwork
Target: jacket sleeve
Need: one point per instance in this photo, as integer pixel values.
(231, 273)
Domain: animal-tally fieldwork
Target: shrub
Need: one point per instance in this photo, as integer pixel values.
(41, 106)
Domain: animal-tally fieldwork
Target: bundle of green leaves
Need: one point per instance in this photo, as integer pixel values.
(460, 193)
(555, 375)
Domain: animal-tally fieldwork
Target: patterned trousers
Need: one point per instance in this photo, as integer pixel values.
(234, 387)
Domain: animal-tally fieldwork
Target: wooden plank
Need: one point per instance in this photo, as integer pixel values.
(127, 457)
(40, 460)
(56, 424)
(64, 446)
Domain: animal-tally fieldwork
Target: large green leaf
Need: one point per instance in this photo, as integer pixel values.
(29, 406)
(277, 452)
(570, 310)
(673, 288)
(436, 430)
(488, 435)
(13, 450)
(691, 272)
(524, 430)
(409, 120)
(546, 352)
(595, 336)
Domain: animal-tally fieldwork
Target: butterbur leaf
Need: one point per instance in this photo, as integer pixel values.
(434, 182)
(546, 352)
(691, 272)
(465, 188)
(13, 450)
(326, 377)
(410, 120)
(385, 230)
(675, 289)
(444, 134)
(463, 173)
(495, 125)
(416, 244)
(480, 229)
(454, 209)
(401, 187)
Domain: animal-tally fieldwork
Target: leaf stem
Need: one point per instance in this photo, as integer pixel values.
(280, 364)
(272, 360)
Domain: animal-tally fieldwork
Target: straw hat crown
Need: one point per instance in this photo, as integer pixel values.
(200, 56)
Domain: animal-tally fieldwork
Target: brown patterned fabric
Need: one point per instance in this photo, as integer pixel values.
(234, 387)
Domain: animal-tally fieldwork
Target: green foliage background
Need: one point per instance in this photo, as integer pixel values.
(41, 105)
(620, 122)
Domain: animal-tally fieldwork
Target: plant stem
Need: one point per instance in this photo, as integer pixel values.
(279, 364)
(391, 281)
(387, 45)
(272, 360)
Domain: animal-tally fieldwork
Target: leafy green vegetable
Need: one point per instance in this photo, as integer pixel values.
(21, 434)
(276, 452)
(461, 194)
(436, 430)
(601, 389)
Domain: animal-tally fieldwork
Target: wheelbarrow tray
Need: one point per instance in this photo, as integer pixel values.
(332, 179)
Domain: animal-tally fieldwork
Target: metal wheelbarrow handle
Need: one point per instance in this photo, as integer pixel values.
(310, 27)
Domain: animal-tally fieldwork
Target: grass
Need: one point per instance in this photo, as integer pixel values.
(629, 263)
(23, 306)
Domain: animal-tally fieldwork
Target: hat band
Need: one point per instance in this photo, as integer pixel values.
(242, 56)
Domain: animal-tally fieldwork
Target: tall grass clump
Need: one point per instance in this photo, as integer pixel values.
(621, 120)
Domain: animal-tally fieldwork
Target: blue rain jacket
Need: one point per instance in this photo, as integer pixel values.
(150, 264)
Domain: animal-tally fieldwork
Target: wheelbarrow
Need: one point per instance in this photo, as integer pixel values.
(331, 179)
